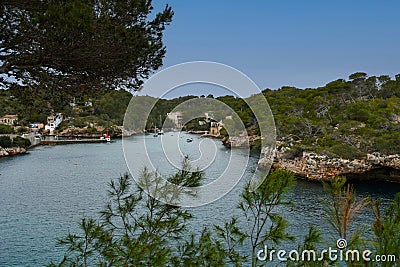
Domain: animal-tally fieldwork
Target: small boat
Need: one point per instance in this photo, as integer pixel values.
(189, 140)
(107, 136)
(155, 135)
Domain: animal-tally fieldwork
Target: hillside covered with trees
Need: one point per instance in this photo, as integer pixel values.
(343, 118)
(346, 118)
(54, 53)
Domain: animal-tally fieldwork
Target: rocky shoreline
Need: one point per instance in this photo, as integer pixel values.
(240, 141)
(315, 167)
(321, 168)
(4, 152)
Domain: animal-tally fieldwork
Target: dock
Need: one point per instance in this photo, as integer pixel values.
(72, 141)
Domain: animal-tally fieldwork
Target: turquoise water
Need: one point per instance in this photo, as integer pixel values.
(45, 193)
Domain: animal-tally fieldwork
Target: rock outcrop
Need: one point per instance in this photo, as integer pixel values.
(239, 141)
(11, 151)
(320, 167)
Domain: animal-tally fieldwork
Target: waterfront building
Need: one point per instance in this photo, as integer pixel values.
(176, 118)
(53, 121)
(9, 119)
(215, 127)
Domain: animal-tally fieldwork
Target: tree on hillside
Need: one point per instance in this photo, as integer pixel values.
(368, 87)
(80, 45)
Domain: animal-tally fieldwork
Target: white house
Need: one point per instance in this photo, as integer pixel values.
(176, 117)
(53, 121)
(8, 119)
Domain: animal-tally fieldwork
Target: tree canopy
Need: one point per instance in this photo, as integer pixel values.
(80, 45)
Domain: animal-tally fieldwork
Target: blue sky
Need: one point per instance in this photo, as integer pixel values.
(296, 43)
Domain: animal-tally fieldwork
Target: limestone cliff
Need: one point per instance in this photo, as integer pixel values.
(239, 141)
(320, 167)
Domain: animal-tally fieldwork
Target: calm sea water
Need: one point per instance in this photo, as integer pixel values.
(45, 193)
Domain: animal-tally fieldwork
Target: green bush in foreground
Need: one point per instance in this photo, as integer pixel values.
(136, 229)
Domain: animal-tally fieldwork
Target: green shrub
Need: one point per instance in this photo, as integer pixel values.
(21, 142)
(256, 145)
(388, 143)
(294, 152)
(358, 111)
(5, 141)
(21, 130)
(6, 129)
(91, 130)
(347, 151)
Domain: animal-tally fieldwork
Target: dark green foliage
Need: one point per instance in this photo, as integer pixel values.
(386, 228)
(81, 46)
(33, 104)
(6, 129)
(22, 130)
(357, 75)
(347, 151)
(135, 230)
(310, 242)
(231, 237)
(5, 141)
(206, 251)
(21, 142)
(90, 130)
(388, 142)
(61, 50)
(138, 230)
(113, 104)
(256, 146)
(342, 119)
(358, 112)
(259, 210)
(193, 125)
(159, 113)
